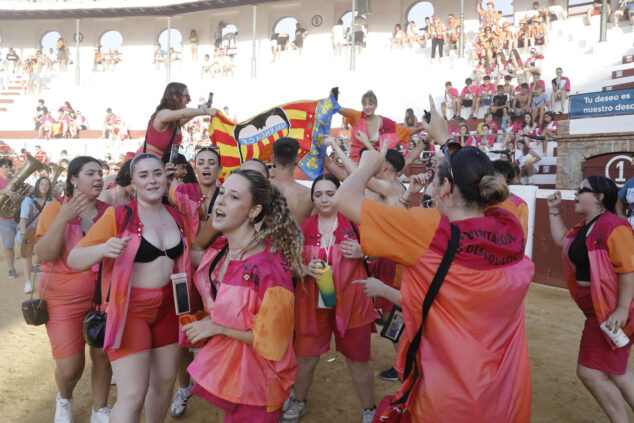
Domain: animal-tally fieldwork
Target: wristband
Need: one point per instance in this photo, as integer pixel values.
(554, 214)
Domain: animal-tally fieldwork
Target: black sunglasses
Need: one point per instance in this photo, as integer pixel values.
(271, 166)
(583, 189)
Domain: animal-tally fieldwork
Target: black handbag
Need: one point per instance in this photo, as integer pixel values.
(94, 327)
(34, 310)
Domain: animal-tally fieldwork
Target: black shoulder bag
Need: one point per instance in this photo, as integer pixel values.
(214, 263)
(94, 327)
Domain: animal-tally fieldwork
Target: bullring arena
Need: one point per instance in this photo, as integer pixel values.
(112, 63)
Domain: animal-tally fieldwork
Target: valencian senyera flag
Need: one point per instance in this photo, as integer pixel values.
(306, 121)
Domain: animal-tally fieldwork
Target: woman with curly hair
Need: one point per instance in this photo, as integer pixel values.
(164, 128)
(248, 365)
(332, 239)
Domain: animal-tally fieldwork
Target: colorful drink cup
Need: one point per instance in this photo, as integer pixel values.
(326, 286)
(186, 319)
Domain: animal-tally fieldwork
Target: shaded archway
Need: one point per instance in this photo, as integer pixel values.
(111, 41)
(285, 27)
(49, 40)
(176, 40)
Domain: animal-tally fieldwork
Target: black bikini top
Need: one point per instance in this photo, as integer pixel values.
(578, 253)
(147, 252)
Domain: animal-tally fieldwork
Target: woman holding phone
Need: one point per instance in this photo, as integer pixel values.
(164, 128)
(142, 244)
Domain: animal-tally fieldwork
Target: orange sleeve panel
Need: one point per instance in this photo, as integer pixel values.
(403, 133)
(46, 219)
(621, 249)
(354, 116)
(273, 324)
(104, 229)
(520, 212)
(171, 197)
(399, 234)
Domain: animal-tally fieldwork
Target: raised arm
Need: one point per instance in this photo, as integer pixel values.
(164, 117)
(557, 228)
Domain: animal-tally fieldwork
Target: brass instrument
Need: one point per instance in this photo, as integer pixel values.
(9, 206)
(58, 186)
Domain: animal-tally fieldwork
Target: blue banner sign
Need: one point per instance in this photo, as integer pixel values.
(603, 103)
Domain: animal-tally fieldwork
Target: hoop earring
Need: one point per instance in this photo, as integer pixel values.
(432, 203)
(251, 220)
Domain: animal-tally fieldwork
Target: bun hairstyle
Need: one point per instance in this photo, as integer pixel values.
(475, 177)
(323, 177)
(370, 96)
(279, 225)
(75, 166)
(607, 187)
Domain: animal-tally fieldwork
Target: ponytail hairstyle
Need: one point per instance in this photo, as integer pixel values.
(279, 224)
(475, 178)
(75, 166)
(607, 187)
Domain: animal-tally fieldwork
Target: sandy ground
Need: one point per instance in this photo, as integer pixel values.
(27, 385)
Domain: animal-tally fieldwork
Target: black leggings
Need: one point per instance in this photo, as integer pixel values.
(437, 42)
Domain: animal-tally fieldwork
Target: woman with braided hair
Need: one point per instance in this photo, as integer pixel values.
(248, 365)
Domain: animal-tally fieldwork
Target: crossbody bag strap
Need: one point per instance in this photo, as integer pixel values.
(214, 263)
(39, 210)
(47, 281)
(365, 263)
(434, 287)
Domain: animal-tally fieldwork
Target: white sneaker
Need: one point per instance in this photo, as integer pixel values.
(289, 400)
(179, 403)
(368, 414)
(295, 410)
(101, 416)
(63, 410)
(28, 288)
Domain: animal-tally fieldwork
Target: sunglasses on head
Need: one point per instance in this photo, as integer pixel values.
(448, 150)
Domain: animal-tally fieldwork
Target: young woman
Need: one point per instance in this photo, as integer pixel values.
(194, 201)
(140, 245)
(248, 365)
(30, 211)
(379, 130)
(171, 113)
(515, 63)
(398, 37)
(411, 121)
(330, 238)
(527, 158)
(69, 293)
(338, 38)
(597, 257)
(123, 191)
(455, 354)
(464, 137)
(193, 44)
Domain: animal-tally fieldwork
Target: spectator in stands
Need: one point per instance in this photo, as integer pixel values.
(486, 139)
(62, 55)
(437, 33)
(410, 121)
(98, 60)
(532, 65)
(159, 56)
(521, 103)
(193, 44)
(282, 41)
(40, 112)
(524, 37)
(540, 32)
(452, 101)
(561, 89)
(412, 35)
(549, 127)
(360, 31)
(398, 37)
(554, 12)
(482, 68)
(40, 155)
(488, 17)
(507, 37)
(539, 104)
(81, 124)
(486, 92)
(300, 35)
(453, 33)
(527, 158)
(108, 125)
(338, 35)
(625, 9)
(206, 66)
(500, 104)
(537, 81)
(508, 88)
(8, 225)
(597, 7)
(425, 32)
(477, 53)
(115, 58)
(469, 97)
(464, 138)
(51, 59)
(12, 60)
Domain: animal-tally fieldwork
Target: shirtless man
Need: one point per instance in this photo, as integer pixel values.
(521, 103)
(297, 195)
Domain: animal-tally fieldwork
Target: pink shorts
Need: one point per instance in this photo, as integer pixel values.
(239, 413)
(595, 351)
(354, 345)
(151, 322)
(69, 297)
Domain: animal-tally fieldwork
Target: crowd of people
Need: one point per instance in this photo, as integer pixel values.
(255, 274)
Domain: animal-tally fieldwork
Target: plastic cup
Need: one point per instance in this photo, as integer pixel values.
(186, 319)
(326, 286)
